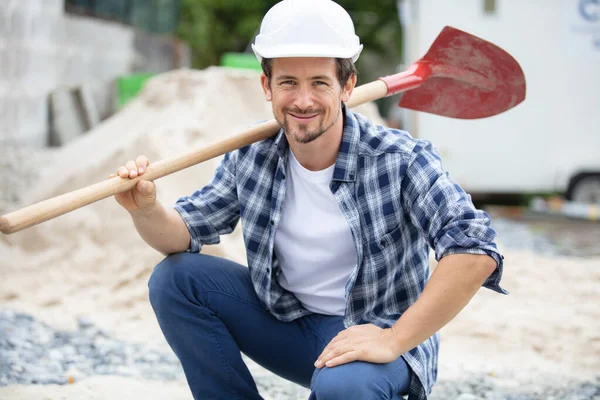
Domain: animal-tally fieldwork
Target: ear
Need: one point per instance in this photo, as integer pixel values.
(348, 88)
(264, 81)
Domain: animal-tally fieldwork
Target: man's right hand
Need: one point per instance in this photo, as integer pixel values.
(142, 197)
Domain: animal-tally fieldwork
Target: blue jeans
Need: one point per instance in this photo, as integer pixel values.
(209, 312)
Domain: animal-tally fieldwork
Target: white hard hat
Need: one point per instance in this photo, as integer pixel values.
(307, 28)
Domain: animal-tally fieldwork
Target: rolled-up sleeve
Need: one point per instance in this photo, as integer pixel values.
(213, 210)
(444, 213)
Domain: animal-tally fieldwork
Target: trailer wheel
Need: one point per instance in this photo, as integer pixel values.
(585, 188)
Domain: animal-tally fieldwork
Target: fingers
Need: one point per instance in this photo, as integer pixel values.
(343, 359)
(340, 336)
(133, 169)
(336, 353)
(365, 342)
(347, 341)
(142, 163)
(333, 350)
(122, 172)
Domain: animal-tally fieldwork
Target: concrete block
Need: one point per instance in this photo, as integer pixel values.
(88, 106)
(66, 117)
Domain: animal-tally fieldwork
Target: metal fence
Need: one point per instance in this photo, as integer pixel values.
(155, 16)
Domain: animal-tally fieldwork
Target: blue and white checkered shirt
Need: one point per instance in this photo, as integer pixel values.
(398, 202)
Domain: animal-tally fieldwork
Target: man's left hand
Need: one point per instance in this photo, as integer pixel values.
(361, 342)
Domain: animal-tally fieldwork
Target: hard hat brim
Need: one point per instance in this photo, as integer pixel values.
(299, 50)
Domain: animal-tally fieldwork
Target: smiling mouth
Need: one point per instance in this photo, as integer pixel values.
(305, 118)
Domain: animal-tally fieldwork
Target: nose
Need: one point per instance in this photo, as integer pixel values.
(303, 99)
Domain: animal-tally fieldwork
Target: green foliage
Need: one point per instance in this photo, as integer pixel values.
(376, 23)
(213, 27)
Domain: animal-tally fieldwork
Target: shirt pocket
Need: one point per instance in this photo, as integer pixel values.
(384, 250)
(390, 240)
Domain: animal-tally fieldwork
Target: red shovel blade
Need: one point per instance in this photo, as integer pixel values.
(468, 78)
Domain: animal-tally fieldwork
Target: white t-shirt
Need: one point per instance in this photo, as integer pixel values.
(313, 242)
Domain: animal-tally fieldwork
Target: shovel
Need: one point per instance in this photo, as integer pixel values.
(461, 76)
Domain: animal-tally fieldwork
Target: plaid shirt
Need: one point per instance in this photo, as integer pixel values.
(398, 202)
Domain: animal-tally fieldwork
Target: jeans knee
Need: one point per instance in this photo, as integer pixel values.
(168, 278)
(181, 275)
(342, 383)
(166, 272)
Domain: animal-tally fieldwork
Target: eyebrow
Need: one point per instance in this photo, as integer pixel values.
(317, 77)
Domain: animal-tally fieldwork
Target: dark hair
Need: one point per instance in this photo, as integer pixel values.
(345, 69)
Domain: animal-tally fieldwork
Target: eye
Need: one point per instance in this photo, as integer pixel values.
(288, 82)
(320, 83)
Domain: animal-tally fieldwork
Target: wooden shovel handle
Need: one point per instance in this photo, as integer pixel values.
(56, 206)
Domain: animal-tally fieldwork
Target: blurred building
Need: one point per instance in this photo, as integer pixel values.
(59, 60)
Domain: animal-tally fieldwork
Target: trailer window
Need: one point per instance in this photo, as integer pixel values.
(489, 7)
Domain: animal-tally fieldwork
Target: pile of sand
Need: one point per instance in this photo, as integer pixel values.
(91, 262)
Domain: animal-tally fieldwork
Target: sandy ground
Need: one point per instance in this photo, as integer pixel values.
(92, 263)
(101, 388)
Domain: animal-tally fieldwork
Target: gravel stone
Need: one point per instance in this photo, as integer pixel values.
(32, 353)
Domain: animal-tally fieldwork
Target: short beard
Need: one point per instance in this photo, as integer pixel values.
(308, 136)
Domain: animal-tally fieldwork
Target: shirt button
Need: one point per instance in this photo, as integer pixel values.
(268, 270)
(272, 222)
(283, 176)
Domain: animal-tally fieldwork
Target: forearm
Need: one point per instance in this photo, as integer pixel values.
(163, 229)
(453, 284)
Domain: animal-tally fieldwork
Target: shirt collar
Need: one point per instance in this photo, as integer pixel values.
(346, 162)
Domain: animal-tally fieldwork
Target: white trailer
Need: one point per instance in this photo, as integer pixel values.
(551, 141)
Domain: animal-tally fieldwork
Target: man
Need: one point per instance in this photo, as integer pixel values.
(338, 216)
